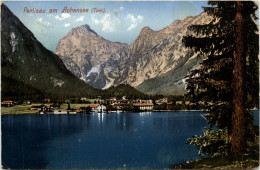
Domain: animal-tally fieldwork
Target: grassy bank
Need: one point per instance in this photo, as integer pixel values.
(18, 109)
(244, 161)
(26, 109)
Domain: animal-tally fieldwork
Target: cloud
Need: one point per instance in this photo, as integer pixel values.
(63, 16)
(67, 25)
(109, 22)
(121, 8)
(134, 21)
(96, 21)
(80, 18)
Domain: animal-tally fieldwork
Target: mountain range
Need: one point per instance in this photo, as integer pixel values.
(28, 67)
(157, 62)
(30, 71)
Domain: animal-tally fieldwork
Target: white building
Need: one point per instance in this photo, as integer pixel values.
(98, 108)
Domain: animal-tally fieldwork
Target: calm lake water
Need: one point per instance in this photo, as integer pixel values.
(117, 140)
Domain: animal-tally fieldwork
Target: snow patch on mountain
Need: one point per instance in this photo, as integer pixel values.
(13, 41)
(95, 69)
(109, 84)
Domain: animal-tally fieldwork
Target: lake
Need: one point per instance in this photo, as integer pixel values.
(149, 140)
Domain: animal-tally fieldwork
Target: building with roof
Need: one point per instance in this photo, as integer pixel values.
(98, 108)
(143, 106)
(7, 103)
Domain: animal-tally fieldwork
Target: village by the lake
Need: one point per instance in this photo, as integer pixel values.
(98, 105)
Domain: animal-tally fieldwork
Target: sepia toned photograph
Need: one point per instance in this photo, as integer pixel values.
(129, 84)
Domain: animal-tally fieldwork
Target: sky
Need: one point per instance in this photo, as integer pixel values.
(121, 21)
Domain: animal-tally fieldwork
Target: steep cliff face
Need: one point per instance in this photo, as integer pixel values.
(30, 65)
(172, 82)
(152, 55)
(83, 52)
(163, 52)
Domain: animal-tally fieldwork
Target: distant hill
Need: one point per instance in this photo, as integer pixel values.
(28, 68)
(124, 90)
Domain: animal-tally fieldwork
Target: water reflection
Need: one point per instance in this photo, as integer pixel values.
(158, 123)
(25, 138)
(117, 140)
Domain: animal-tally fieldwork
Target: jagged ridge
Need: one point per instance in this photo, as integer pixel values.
(152, 55)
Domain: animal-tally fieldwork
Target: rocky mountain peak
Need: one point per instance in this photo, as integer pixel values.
(145, 41)
(82, 30)
(87, 27)
(146, 30)
(83, 51)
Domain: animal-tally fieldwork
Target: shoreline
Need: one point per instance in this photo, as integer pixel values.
(109, 112)
(248, 160)
(178, 110)
(63, 112)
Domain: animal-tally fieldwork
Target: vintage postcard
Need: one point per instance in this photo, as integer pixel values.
(129, 84)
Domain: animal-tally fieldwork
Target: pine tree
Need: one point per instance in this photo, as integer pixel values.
(228, 42)
(237, 136)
